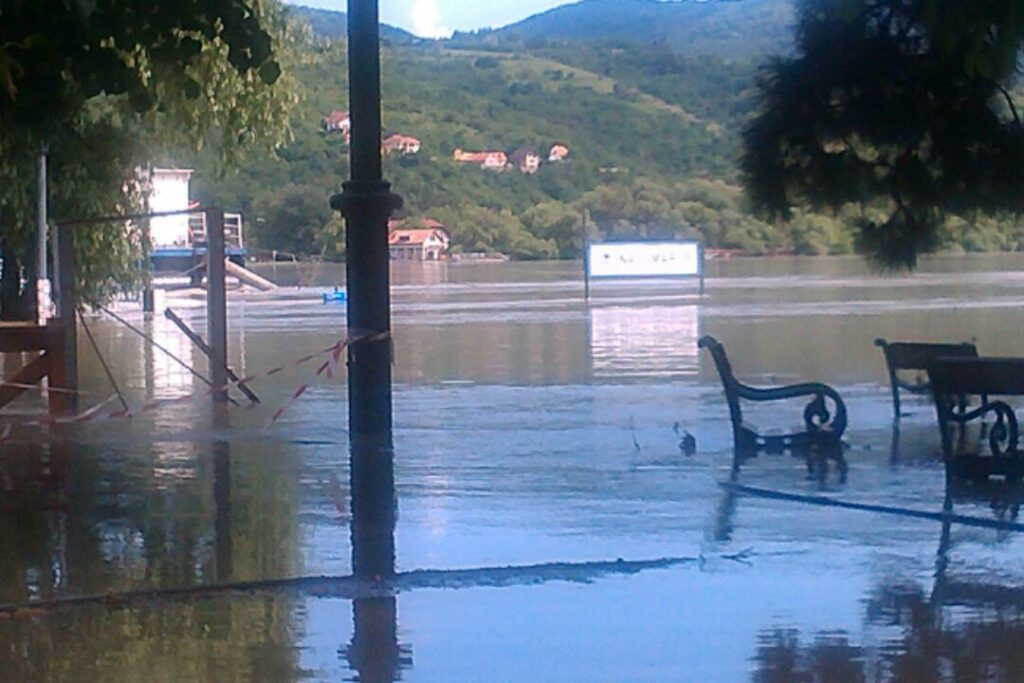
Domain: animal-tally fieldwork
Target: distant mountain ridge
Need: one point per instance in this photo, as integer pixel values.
(333, 24)
(729, 29)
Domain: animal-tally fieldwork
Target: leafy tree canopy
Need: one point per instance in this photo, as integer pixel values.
(107, 86)
(900, 108)
(56, 54)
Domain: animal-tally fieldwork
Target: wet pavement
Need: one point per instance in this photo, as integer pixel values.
(538, 476)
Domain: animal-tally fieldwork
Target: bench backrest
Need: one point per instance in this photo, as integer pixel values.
(919, 355)
(977, 376)
(729, 381)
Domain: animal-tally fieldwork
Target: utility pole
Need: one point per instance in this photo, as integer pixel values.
(366, 203)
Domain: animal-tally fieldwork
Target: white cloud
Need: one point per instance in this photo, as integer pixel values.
(426, 20)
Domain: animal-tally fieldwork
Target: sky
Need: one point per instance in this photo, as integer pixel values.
(438, 18)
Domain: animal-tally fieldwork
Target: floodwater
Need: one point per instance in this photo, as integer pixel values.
(546, 525)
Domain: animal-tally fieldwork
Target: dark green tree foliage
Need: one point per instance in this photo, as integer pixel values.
(898, 107)
(104, 85)
(56, 54)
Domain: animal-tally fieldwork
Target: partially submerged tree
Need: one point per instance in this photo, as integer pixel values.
(900, 108)
(106, 85)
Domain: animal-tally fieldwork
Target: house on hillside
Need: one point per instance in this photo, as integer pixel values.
(428, 241)
(559, 152)
(400, 144)
(337, 122)
(526, 160)
(491, 160)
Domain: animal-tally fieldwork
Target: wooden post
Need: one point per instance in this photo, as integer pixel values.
(148, 298)
(216, 302)
(64, 373)
(586, 255)
(700, 264)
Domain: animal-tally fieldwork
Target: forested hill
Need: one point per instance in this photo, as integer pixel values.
(730, 29)
(653, 135)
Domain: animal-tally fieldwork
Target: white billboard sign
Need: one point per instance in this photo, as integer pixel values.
(645, 259)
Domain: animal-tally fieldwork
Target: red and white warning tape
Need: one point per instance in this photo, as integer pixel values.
(330, 368)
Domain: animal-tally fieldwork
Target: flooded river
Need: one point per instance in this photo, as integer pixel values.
(538, 478)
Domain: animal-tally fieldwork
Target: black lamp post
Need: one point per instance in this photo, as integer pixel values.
(366, 203)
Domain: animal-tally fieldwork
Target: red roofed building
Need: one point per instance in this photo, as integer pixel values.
(400, 144)
(494, 161)
(337, 122)
(558, 153)
(426, 243)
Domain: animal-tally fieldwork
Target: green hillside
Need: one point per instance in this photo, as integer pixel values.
(654, 138)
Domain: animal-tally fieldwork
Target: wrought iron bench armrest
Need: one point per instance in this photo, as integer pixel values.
(816, 413)
(821, 424)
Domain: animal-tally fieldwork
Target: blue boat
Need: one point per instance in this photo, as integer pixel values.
(336, 295)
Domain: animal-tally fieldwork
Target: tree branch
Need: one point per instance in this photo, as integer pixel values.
(1009, 102)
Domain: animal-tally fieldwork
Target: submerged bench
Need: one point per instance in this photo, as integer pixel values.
(916, 356)
(823, 426)
(955, 379)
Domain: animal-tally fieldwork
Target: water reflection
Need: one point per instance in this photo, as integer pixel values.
(647, 341)
(964, 629)
(826, 467)
(374, 653)
(222, 495)
(165, 377)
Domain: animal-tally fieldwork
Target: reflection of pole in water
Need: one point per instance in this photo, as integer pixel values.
(222, 495)
(374, 652)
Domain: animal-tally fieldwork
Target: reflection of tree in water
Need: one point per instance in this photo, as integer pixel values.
(235, 638)
(87, 522)
(81, 520)
(929, 649)
(964, 630)
(781, 658)
(982, 646)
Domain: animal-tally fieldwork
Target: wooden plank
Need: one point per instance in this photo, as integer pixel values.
(33, 373)
(67, 300)
(15, 339)
(977, 376)
(918, 356)
(985, 466)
